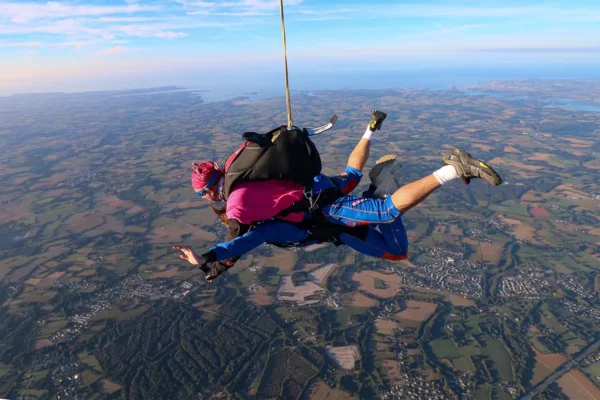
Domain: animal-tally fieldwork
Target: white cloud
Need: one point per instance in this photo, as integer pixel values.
(266, 4)
(206, 4)
(86, 22)
(453, 29)
(151, 31)
(129, 19)
(231, 14)
(170, 35)
(542, 49)
(326, 12)
(25, 12)
(74, 44)
(68, 26)
(430, 11)
(423, 10)
(323, 18)
(199, 12)
(76, 24)
(21, 44)
(77, 45)
(242, 8)
(113, 50)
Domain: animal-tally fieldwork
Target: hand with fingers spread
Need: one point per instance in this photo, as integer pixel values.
(188, 254)
(194, 259)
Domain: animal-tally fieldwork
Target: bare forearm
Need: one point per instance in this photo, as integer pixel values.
(360, 155)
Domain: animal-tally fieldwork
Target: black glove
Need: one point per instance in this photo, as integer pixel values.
(214, 269)
(206, 258)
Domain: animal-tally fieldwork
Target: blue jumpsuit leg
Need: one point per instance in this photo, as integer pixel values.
(356, 210)
(390, 242)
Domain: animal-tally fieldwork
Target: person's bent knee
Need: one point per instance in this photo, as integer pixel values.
(391, 212)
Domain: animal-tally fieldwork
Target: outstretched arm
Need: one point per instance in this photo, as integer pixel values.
(270, 231)
(230, 250)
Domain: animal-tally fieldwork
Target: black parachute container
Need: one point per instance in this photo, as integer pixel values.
(282, 153)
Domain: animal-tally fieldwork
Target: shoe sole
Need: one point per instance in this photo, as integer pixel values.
(381, 164)
(376, 120)
(487, 173)
(385, 158)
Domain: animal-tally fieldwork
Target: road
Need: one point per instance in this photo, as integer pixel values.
(566, 367)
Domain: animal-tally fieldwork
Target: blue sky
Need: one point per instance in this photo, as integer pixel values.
(92, 41)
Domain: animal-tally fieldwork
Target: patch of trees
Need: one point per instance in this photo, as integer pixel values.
(172, 352)
(285, 375)
(299, 277)
(268, 272)
(18, 336)
(349, 383)
(521, 354)
(328, 324)
(341, 280)
(553, 391)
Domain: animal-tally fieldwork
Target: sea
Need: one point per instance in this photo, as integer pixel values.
(261, 86)
(255, 83)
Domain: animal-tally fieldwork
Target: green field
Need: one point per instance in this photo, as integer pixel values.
(407, 323)
(593, 369)
(464, 364)
(500, 394)
(88, 377)
(538, 345)
(117, 314)
(379, 284)
(469, 351)
(246, 277)
(344, 315)
(36, 376)
(283, 312)
(473, 324)
(90, 360)
(495, 350)
(540, 372)
(444, 348)
(568, 261)
(511, 209)
(564, 162)
(273, 280)
(573, 339)
(550, 321)
(385, 355)
(483, 392)
(53, 326)
(35, 393)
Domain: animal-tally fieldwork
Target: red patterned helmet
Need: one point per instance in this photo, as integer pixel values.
(205, 175)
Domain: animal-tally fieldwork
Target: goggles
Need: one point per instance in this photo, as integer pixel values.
(211, 181)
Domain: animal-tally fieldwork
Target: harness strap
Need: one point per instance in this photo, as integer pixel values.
(311, 204)
(326, 232)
